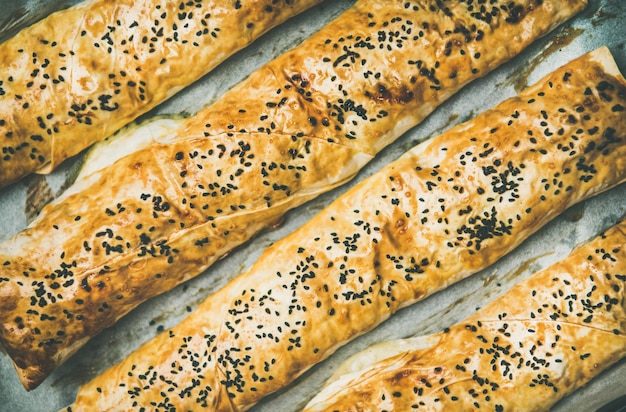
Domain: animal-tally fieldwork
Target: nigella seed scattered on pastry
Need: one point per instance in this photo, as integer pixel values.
(370, 253)
(154, 214)
(62, 90)
(542, 340)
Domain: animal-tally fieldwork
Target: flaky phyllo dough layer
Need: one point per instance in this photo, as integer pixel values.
(546, 337)
(447, 209)
(80, 74)
(299, 126)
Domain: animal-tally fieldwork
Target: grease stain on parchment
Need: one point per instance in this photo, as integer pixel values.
(574, 213)
(601, 16)
(72, 378)
(514, 275)
(519, 78)
(12, 22)
(38, 194)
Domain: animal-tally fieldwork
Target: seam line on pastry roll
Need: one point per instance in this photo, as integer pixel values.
(117, 146)
(80, 74)
(356, 85)
(521, 346)
(446, 209)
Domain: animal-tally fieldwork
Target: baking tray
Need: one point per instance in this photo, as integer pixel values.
(602, 23)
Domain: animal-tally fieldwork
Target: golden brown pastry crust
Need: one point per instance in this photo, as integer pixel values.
(297, 127)
(80, 74)
(446, 209)
(543, 339)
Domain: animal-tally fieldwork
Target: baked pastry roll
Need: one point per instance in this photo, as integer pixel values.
(445, 210)
(80, 74)
(299, 126)
(526, 350)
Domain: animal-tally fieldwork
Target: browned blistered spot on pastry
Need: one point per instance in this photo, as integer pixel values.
(418, 294)
(382, 92)
(345, 283)
(19, 362)
(401, 375)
